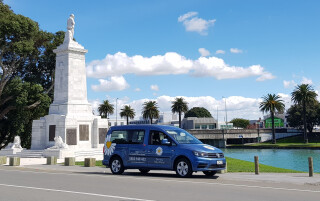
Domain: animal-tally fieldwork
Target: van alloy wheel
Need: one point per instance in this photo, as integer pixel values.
(183, 168)
(116, 165)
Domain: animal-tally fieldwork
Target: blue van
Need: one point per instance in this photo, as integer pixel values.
(156, 147)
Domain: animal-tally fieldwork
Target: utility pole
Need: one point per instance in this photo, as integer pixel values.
(117, 111)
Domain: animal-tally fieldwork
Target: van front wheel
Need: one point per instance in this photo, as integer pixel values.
(116, 165)
(183, 168)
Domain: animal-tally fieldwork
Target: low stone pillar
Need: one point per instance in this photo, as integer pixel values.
(51, 160)
(3, 160)
(14, 161)
(89, 162)
(69, 161)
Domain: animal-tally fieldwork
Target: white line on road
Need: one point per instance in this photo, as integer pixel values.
(171, 180)
(74, 192)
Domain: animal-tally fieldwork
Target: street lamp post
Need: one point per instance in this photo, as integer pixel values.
(225, 108)
(117, 111)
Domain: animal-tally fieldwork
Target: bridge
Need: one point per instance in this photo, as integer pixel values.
(221, 137)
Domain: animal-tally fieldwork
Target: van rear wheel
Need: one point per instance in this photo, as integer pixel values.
(144, 171)
(116, 165)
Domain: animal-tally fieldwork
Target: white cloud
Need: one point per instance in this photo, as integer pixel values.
(154, 87)
(120, 63)
(306, 81)
(235, 50)
(220, 52)
(193, 23)
(171, 63)
(217, 68)
(137, 89)
(289, 84)
(204, 52)
(116, 83)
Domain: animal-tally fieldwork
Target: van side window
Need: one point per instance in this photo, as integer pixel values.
(119, 137)
(156, 137)
(136, 137)
(127, 137)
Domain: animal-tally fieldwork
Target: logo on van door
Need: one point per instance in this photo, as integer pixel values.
(159, 151)
(109, 146)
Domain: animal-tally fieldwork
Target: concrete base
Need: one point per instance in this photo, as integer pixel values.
(51, 160)
(8, 152)
(59, 153)
(89, 162)
(70, 161)
(14, 161)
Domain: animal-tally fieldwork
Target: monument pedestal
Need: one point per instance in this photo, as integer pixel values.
(70, 115)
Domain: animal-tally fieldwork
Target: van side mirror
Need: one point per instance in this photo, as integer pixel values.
(165, 142)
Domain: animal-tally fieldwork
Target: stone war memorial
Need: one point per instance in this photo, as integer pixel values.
(70, 129)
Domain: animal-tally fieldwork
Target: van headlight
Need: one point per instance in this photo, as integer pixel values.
(200, 154)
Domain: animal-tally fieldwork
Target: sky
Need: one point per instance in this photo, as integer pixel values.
(221, 55)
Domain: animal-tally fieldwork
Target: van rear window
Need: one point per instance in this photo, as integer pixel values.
(127, 136)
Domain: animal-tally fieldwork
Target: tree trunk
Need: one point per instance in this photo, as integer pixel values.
(150, 120)
(127, 120)
(305, 136)
(179, 119)
(274, 140)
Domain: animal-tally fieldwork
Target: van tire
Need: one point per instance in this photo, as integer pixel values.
(183, 167)
(209, 173)
(144, 170)
(116, 165)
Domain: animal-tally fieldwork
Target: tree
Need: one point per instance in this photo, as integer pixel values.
(272, 103)
(240, 123)
(198, 112)
(179, 106)
(302, 95)
(19, 120)
(150, 110)
(23, 50)
(127, 112)
(295, 117)
(105, 109)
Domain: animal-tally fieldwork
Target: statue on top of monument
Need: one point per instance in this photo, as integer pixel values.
(70, 29)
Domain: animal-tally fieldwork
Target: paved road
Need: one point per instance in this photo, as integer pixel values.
(60, 183)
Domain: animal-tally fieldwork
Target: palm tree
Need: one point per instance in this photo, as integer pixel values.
(179, 106)
(150, 110)
(302, 95)
(105, 109)
(272, 103)
(127, 112)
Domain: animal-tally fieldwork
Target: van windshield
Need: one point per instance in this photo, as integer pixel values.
(183, 137)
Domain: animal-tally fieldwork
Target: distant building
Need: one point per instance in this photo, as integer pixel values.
(119, 122)
(223, 125)
(280, 121)
(199, 123)
(255, 124)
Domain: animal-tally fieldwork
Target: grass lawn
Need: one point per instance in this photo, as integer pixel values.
(236, 165)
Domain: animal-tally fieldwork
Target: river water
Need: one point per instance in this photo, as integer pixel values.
(295, 159)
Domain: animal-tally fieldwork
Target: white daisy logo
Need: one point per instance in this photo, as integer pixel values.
(159, 151)
(109, 146)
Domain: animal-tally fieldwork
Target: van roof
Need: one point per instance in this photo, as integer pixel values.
(144, 126)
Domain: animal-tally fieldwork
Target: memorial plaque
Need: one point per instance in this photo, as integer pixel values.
(52, 132)
(84, 132)
(102, 135)
(71, 136)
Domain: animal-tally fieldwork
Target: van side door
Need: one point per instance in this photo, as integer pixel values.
(136, 149)
(159, 156)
